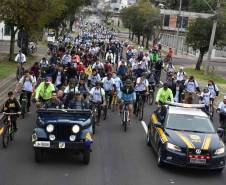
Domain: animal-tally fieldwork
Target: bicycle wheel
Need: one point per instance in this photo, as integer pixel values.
(141, 110)
(5, 137)
(124, 120)
(105, 109)
(94, 125)
(211, 111)
(23, 108)
(150, 98)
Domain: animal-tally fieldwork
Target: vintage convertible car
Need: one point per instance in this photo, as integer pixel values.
(64, 130)
(184, 135)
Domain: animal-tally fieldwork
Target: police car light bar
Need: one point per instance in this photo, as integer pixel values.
(184, 105)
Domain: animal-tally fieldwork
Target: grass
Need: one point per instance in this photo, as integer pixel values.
(200, 76)
(8, 68)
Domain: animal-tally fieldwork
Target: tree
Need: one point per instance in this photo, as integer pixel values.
(141, 19)
(28, 16)
(199, 33)
(201, 6)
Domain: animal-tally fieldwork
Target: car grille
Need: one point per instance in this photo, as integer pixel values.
(63, 131)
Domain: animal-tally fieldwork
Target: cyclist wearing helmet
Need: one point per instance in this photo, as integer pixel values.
(127, 95)
(164, 94)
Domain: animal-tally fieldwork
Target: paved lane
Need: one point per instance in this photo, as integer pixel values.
(118, 158)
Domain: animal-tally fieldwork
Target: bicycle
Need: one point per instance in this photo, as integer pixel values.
(20, 71)
(95, 118)
(107, 106)
(150, 95)
(8, 130)
(139, 112)
(24, 102)
(114, 102)
(125, 115)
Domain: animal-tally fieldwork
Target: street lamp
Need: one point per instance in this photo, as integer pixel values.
(179, 26)
(212, 37)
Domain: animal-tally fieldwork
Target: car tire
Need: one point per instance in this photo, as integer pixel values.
(86, 157)
(159, 158)
(39, 155)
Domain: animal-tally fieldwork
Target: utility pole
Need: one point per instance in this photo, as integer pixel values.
(211, 45)
(179, 26)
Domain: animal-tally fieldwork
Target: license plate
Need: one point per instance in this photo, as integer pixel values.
(197, 161)
(61, 144)
(44, 144)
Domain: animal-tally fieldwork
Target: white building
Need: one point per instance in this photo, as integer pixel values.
(5, 32)
(117, 5)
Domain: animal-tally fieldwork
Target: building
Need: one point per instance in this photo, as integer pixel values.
(172, 21)
(5, 32)
(117, 5)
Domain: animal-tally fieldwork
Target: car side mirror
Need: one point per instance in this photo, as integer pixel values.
(220, 132)
(158, 125)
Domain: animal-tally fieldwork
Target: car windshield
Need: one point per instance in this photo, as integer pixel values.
(192, 123)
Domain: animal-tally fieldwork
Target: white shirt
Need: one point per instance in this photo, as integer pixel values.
(58, 79)
(27, 83)
(66, 59)
(44, 63)
(20, 58)
(212, 89)
(180, 75)
(94, 79)
(206, 98)
(118, 83)
(190, 86)
(108, 84)
(141, 86)
(97, 94)
(68, 89)
(98, 66)
(222, 107)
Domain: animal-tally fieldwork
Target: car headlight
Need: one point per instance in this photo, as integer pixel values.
(75, 129)
(219, 151)
(50, 128)
(173, 147)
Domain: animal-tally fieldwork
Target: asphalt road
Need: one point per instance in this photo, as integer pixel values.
(118, 158)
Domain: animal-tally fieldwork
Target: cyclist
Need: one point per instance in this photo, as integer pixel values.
(93, 78)
(109, 86)
(20, 58)
(213, 88)
(169, 55)
(181, 75)
(12, 106)
(191, 85)
(206, 98)
(54, 102)
(78, 102)
(66, 59)
(222, 113)
(154, 57)
(44, 90)
(26, 83)
(59, 77)
(97, 96)
(164, 94)
(127, 95)
(141, 89)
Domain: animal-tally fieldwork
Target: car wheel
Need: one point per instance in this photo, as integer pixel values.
(159, 158)
(39, 155)
(86, 157)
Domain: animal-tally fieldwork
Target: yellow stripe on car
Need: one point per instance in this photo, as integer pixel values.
(206, 142)
(162, 135)
(154, 118)
(186, 140)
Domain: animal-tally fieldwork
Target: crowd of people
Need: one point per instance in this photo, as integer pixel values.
(94, 65)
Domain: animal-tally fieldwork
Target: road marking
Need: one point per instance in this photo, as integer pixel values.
(144, 126)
